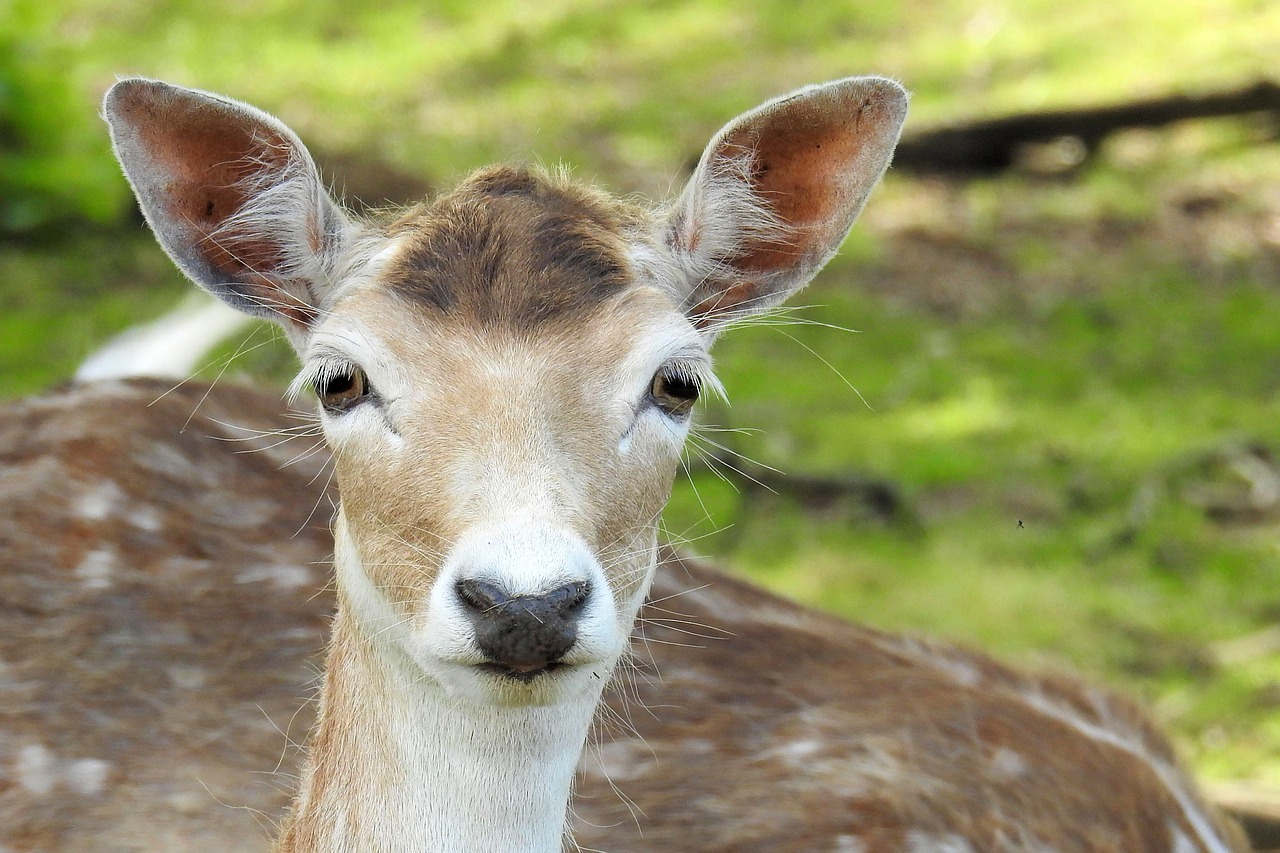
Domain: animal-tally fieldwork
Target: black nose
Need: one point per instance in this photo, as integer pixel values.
(524, 635)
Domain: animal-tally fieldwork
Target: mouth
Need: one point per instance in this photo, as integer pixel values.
(522, 673)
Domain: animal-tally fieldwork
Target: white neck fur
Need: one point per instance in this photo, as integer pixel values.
(399, 764)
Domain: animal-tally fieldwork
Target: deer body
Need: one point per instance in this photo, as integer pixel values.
(161, 620)
(505, 377)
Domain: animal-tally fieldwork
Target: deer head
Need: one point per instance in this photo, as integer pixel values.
(506, 373)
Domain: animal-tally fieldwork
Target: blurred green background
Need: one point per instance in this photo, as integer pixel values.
(1067, 452)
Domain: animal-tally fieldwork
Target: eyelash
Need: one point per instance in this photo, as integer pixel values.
(338, 384)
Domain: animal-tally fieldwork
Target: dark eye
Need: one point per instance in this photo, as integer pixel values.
(674, 391)
(344, 390)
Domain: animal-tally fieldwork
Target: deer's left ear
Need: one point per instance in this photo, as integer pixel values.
(776, 192)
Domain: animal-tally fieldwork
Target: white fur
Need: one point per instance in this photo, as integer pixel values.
(288, 207)
(718, 214)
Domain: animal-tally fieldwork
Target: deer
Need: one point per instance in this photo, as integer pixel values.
(505, 377)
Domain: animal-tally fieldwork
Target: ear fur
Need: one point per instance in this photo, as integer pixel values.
(233, 196)
(776, 192)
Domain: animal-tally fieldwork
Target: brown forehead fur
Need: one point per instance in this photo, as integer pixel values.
(512, 246)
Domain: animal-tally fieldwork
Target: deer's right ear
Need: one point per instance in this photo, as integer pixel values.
(233, 197)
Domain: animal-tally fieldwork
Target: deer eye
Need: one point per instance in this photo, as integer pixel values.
(343, 390)
(674, 391)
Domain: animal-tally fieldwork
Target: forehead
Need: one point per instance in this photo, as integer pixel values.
(511, 248)
(626, 336)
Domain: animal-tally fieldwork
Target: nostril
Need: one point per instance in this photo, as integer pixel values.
(480, 596)
(569, 599)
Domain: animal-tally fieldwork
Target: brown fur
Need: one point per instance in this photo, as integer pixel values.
(183, 672)
(512, 247)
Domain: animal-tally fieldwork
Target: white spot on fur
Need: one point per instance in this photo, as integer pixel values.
(923, 842)
(147, 518)
(96, 569)
(797, 753)
(186, 677)
(188, 801)
(283, 576)
(97, 502)
(36, 769)
(875, 765)
(87, 775)
(172, 462)
(964, 672)
(185, 566)
(697, 746)
(848, 844)
(1007, 764)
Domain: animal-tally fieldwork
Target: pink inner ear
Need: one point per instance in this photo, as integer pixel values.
(805, 151)
(210, 159)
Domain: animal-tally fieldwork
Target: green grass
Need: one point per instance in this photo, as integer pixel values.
(1086, 356)
(1062, 437)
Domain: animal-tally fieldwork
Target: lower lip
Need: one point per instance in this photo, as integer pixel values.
(525, 676)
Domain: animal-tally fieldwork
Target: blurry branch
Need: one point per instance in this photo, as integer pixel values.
(996, 144)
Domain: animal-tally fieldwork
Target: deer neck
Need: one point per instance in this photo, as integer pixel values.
(397, 764)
